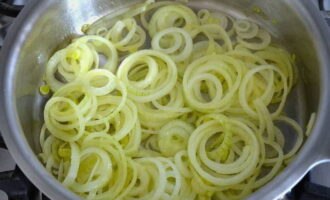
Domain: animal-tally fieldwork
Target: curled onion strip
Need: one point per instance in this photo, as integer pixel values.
(155, 89)
(181, 41)
(172, 16)
(131, 41)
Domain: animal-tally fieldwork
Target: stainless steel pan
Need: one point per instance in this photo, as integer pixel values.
(43, 25)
